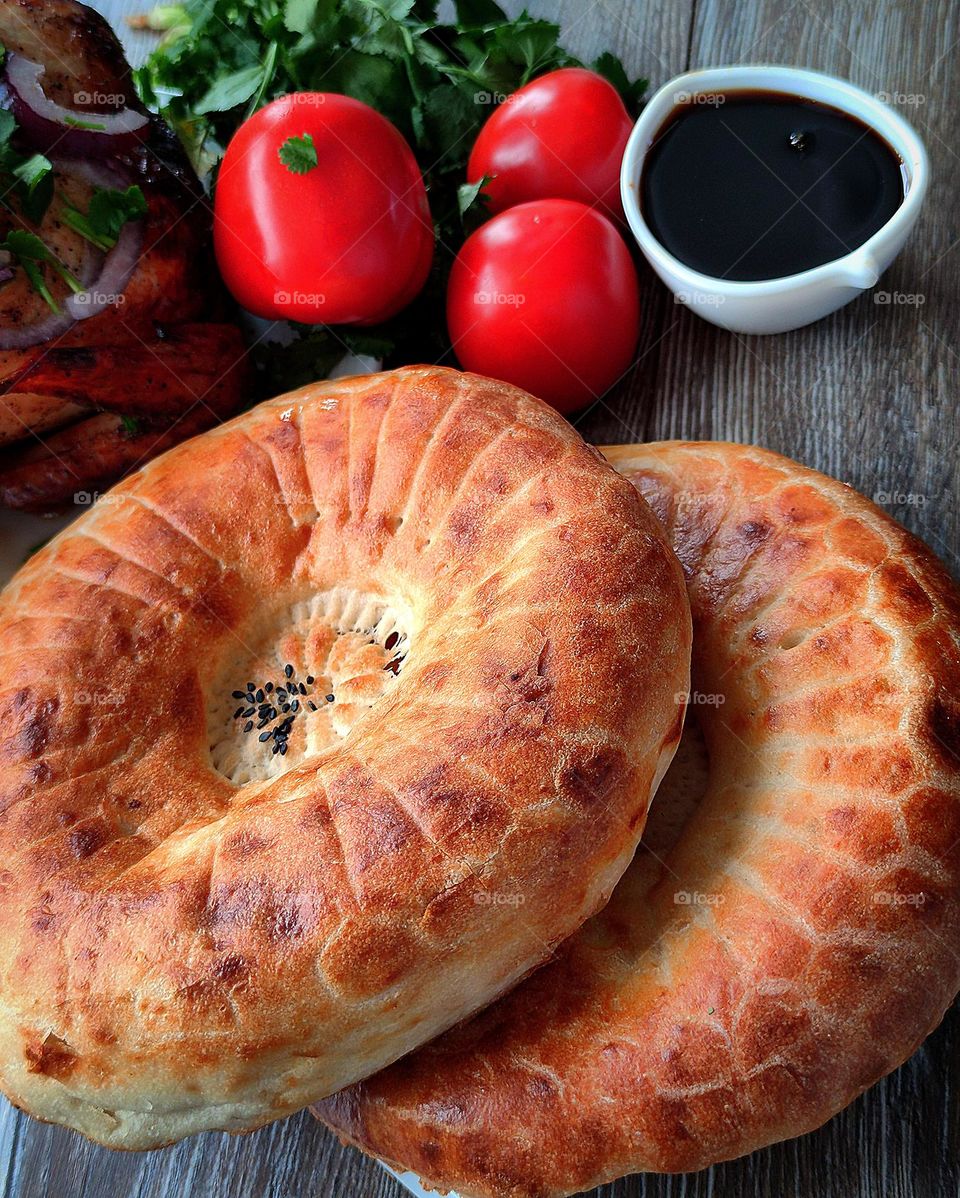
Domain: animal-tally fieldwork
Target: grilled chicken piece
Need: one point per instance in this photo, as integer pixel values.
(78, 48)
(88, 457)
(160, 377)
(174, 279)
(148, 354)
(24, 414)
(95, 452)
(21, 305)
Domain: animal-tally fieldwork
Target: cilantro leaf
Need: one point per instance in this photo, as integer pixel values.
(29, 175)
(30, 171)
(530, 44)
(35, 176)
(316, 352)
(479, 12)
(299, 15)
(108, 212)
(450, 120)
(298, 154)
(31, 254)
(230, 91)
(76, 122)
(469, 193)
(472, 203)
(26, 247)
(375, 79)
(611, 68)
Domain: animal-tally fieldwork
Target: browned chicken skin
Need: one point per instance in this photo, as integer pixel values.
(148, 378)
(77, 461)
(162, 351)
(77, 47)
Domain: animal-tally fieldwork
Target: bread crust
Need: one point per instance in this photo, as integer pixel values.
(801, 938)
(180, 954)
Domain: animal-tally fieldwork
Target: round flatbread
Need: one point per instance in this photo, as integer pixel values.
(317, 734)
(788, 933)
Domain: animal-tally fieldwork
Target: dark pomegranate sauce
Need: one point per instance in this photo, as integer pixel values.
(758, 185)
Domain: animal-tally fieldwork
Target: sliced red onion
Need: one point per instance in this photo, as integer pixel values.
(23, 336)
(118, 266)
(103, 277)
(54, 324)
(108, 174)
(6, 270)
(47, 124)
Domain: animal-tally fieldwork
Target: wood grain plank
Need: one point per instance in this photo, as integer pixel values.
(868, 395)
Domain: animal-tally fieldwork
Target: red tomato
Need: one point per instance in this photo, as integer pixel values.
(562, 136)
(349, 241)
(545, 296)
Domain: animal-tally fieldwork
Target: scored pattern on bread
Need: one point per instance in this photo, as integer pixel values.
(179, 953)
(801, 936)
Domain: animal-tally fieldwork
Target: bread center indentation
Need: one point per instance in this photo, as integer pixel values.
(301, 679)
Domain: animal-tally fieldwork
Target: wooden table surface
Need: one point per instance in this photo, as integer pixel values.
(868, 395)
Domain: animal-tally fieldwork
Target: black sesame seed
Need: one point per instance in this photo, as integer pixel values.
(281, 693)
(295, 705)
(248, 726)
(263, 723)
(391, 641)
(251, 686)
(260, 695)
(312, 705)
(283, 750)
(310, 680)
(276, 750)
(302, 689)
(249, 711)
(330, 698)
(238, 713)
(237, 695)
(269, 687)
(265, 736)
(288, 670)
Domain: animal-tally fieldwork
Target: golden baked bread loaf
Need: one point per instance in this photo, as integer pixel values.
(777, 948)
(471, 634)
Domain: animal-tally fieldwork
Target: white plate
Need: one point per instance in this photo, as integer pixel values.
(411, 1182)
